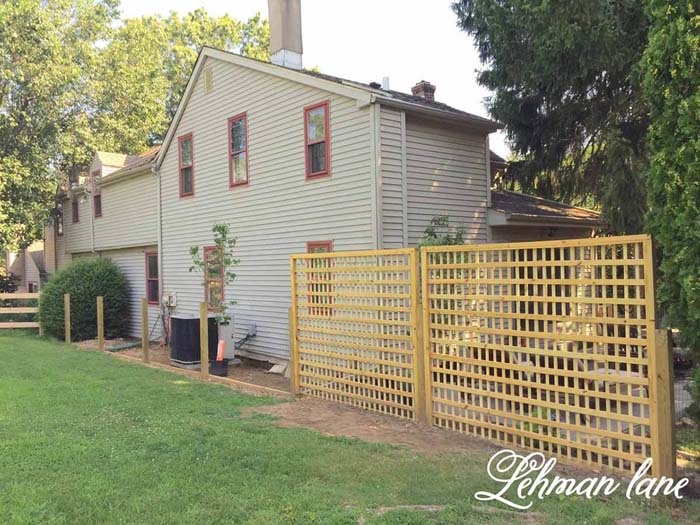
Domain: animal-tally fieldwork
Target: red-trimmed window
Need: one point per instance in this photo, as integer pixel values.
(97, 196)
(75, 210)
(213, 278)
(185, 147)
(238, 150)
(319, 287)
(152, 277)
(317, 140)
(32, 287)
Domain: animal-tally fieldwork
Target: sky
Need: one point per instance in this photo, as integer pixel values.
(365, 40)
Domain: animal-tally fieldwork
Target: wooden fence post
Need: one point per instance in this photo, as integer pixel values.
(662, 404)
(100, 324)
(422, 410)
(144, 329)
(293, 357)
(204, 339)
(422, 281)
(66, 316)
(293, 348)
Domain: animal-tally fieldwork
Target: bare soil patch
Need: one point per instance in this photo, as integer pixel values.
(340, 420)
(250, 371)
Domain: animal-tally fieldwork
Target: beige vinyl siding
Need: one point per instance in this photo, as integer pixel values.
(279, 211)
(392, 177)
(31, 272)
(63, 258)
(132, 262)
(49, 250)
(77, 236)
(129, 213)
(446, 175)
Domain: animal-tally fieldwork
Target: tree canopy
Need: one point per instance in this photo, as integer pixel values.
(672, 88)
(74, 79)
(566, 85)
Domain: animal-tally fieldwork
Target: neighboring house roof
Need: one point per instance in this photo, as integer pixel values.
(135, 162)
(497, 160)
(115, 160)
(363, 93)
(518, 206)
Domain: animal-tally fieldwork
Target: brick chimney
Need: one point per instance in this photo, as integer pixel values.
(285, 32)
(424, 89)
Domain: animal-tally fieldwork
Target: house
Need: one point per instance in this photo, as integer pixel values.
(293, 161)
(28, 267)
(112, 212)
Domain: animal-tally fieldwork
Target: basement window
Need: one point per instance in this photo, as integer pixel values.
(32, 287)
(213, 278)
(186, 165)
(152, 277)
(238, 150)
(317, 140)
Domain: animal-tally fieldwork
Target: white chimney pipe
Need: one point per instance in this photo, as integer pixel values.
(385, 83)
(285, 33)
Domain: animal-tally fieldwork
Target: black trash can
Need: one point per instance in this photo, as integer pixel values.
(184, 338)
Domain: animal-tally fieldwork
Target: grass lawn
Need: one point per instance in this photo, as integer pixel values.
(85, 438)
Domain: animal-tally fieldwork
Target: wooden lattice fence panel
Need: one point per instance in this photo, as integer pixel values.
(355, 326)
(544, 345)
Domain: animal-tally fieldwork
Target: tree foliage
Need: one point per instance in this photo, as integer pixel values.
(75, 79)
(440, 233)
(672, 89)
(567, 87)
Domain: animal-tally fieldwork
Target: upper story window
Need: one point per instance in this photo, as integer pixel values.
(317, 140)
(186, 165)
(238, 150)
(75, 210)
(214, 278)
(152, 277)
(97, 195)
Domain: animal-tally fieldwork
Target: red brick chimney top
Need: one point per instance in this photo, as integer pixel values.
(424, 89)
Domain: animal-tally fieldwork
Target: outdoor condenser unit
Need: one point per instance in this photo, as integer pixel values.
(184, 339)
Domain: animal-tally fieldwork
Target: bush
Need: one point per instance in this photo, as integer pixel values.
(84, 281)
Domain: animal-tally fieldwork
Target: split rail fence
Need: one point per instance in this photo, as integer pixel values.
(9, 307)
(550, 346)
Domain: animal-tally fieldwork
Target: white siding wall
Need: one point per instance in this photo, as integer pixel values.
(129, 213)
(49, 250)
(278, 212)
(133, 263)
(31, 272)
(446, 175)
(392, 178)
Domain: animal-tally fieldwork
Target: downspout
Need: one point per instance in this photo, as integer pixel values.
(156, 173)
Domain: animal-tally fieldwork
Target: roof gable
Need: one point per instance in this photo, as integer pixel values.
(363, 93)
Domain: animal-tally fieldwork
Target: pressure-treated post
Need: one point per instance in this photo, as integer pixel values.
(662, 405)
(204, 339)
(66, 316)
(420, 394)
(293, 348)
(144, 329)
(100, 324)
(424, 307)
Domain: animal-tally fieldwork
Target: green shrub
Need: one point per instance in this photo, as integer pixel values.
(84, 281)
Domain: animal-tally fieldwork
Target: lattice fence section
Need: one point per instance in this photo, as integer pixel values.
(354, 327)
(544, 345)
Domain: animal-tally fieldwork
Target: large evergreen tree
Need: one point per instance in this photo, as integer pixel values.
(567, 88)
(672, 88)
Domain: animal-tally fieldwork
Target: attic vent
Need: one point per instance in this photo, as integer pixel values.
(208, 80)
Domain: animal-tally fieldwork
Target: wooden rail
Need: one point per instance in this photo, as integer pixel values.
(9, 310)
